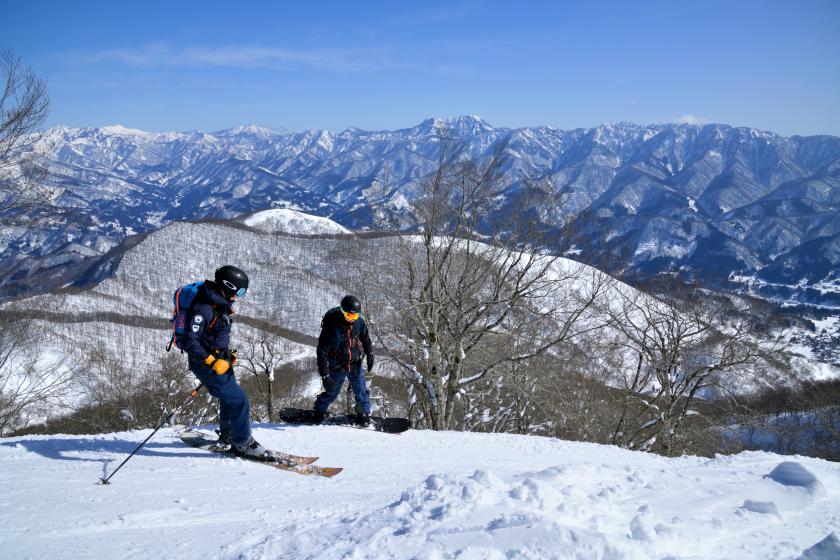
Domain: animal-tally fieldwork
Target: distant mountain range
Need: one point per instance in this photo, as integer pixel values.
(710, 201)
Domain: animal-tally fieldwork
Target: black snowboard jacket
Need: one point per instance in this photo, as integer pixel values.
(341, 344)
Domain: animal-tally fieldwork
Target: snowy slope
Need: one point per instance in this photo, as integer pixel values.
(418, 495)
(293, 281)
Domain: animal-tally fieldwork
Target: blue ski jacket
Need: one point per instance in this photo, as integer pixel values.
(208, 326)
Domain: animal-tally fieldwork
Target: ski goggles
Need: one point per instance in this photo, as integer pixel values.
(233, 289)
(350, 316)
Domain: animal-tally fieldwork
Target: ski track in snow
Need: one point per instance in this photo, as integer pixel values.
(421, 495)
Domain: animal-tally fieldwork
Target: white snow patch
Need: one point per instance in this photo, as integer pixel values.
(120, 130)
(692, 204)
(285, 220)
(653, 248)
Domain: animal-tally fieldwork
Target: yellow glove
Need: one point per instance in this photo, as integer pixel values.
(219, 366)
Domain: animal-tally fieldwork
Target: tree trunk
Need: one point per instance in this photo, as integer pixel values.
(270, 399)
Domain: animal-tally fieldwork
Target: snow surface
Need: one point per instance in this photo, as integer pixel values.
(285, 220)
(421, 494)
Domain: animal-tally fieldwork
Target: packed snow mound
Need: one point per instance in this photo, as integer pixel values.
(424, 495)
(791, 473)
(769, 508)
(826, 549)
(287, 221)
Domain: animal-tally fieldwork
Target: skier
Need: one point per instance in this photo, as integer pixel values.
(343, 337)
(211, 361)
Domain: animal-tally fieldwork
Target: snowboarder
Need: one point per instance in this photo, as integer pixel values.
(344, 335)
(207, 344)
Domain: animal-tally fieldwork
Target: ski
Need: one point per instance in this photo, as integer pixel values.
(279, 460)
(377, 423)
(221, 447)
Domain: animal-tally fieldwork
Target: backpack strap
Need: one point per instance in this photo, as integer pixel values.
(174, 324)
(215, 317)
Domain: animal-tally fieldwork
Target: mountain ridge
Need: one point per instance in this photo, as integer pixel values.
(665, 198)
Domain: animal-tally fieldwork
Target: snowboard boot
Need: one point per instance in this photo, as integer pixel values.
(253, 450)
(363, 420)
(224, 439)
(318, 416)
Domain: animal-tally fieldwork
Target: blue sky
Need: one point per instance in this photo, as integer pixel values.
(385, 65)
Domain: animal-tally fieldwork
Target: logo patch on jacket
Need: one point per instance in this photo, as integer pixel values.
(195, 328)
(198, 319)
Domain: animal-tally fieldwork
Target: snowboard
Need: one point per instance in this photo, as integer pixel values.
(278, 460)
(377, 423)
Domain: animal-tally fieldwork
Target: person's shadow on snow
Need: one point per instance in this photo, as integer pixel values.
(63, 449)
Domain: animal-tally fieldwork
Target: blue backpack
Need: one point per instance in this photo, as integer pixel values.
(182, 300)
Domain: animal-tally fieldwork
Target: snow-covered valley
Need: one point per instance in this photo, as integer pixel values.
(422, 494)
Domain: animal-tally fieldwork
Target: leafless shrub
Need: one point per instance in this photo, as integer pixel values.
(128, 394)
(261, 355)
(31, 383)
(803, 418)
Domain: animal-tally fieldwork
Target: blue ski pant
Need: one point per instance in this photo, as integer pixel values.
(335, 380)
(234, 408)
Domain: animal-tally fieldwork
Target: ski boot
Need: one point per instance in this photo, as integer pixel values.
(252, 450)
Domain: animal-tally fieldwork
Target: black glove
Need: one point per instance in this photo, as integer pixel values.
(370, 362)
(329, 383)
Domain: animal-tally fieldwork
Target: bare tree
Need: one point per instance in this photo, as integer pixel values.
(24, 105)
(684, 345)
(459, 305)
(261, 355)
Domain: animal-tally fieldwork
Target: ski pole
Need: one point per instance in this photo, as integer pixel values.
(169, 417)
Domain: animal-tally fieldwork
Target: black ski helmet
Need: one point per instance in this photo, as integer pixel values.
(232, 281)
(351, 304)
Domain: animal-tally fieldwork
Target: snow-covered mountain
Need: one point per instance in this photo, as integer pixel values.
(708, 200)
(424, 494)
